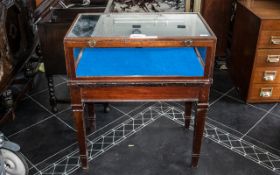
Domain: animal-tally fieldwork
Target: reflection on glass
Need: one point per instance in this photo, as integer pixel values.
(139, 25)
(84, 27)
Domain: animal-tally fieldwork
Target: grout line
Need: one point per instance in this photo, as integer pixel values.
(65, 123)
(37, 93)
(234, 98)
(40, 104)
(125, 115)
(119, 110)
(51, 113)
(258, 121)
(225, 94)
(30, 126)
(275, 115)
(93, 132)
(264, 144)
(215, 121)
(110, 130)
(33, 166)
(134, 109)
(56, 153)
(231, 147)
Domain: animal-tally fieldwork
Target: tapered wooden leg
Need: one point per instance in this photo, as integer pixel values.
(78, 113)
(199, 124)
(188, 113)
(91, 116)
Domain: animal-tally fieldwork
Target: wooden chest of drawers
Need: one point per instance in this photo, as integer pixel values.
(255, 62)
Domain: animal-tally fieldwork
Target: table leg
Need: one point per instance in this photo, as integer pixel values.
(52, 98)
(78, 113)
(199, 123)
(188, 113)
(91, 115)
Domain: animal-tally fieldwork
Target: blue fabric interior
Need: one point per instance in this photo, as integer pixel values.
(202, 51)
(139, 62)
(76, 53)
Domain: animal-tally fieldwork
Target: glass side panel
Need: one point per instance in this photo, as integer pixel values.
(202, 51)
(140, 25)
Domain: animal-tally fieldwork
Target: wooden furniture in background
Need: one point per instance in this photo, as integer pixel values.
(53, 23)
(122, 44)
(18, 43)
(217, 13)
(255, 63)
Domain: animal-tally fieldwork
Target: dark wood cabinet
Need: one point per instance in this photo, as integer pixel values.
(217, 13)
(255, 62)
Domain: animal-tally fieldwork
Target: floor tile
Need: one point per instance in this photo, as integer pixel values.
(236, 115)
(268, 132)
(224, 127)
(27, 113)
(165, 148)
(214, 95)
(61, 92)
(45, 139)
(276, 110)
(262, 145)
(222, 81)
(102, 118)
(126, 107)
(41, 83)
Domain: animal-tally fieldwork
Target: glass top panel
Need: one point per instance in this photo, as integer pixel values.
(136, 25)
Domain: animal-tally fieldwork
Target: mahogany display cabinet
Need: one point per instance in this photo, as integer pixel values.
(140, 57)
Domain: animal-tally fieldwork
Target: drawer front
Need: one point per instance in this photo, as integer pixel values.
(261, 92)
(269, 39)
(271, 24)
(268, 57)
(141, 93)
(267, 75)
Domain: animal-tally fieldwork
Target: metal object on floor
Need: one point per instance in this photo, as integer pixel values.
(11, 160)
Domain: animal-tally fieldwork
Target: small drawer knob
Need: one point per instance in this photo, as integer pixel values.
(275, 40)
(273, 58)
(269, 75)
(266, 92)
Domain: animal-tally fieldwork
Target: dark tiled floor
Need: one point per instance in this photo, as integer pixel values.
(164, 148)
(240, 138)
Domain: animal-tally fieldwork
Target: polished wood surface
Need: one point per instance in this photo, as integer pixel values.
(126, 89)
(264, 9)
(256, 50)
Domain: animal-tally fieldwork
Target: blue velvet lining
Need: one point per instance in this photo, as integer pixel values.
(203, 52)
(76, 53)
(139, 62)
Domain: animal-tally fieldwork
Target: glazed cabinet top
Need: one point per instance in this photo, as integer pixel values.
(140, 47)
(122, 30)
